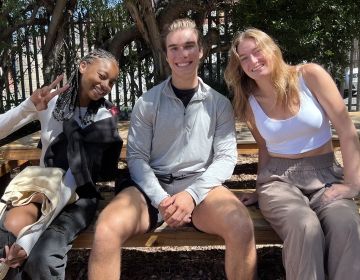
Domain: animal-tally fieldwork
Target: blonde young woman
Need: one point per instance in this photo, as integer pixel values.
(302, 191)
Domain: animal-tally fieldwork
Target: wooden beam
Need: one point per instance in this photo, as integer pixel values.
(187, 236)
(32, 153)
(9, 165)
(21, 153)
(184, 236)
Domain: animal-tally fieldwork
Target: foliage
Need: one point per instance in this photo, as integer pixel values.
(317, 31)
(14, 15)
(107, 17)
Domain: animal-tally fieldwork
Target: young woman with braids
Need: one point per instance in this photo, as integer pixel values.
(303, 192)
(80, 145)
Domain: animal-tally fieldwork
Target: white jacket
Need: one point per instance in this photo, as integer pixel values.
(197, 142)
(29, 182)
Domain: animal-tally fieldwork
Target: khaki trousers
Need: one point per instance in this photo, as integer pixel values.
(320, 241)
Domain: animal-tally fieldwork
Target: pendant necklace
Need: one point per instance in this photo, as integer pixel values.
(84, 119)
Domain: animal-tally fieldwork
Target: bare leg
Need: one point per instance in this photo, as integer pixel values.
(223, 214)
(21, 216)
(125, 216)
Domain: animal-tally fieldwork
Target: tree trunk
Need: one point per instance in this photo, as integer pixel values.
(143, 14)
(55, 39)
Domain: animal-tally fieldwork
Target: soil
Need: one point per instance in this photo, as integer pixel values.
(183, 263)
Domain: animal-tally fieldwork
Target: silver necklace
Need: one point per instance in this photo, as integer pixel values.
(84, 120)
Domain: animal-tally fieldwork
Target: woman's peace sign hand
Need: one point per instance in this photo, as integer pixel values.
(42, 96)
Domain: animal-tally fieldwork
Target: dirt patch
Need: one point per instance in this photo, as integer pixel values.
(190, 263)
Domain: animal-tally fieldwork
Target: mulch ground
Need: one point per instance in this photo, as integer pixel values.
(185, 264)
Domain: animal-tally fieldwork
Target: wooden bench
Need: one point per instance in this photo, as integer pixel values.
(184, 236)
(14, 156)
(187, 236)
(25, 148)
(163, 235)
(166, 236)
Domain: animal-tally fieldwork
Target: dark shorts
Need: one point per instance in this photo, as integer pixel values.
(127, 182)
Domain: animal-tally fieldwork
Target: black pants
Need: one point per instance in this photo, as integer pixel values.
(48, 257)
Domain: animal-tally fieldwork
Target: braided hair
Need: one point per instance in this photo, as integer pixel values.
(67, 101)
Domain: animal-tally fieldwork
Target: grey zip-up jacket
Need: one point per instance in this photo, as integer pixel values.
(197, 142)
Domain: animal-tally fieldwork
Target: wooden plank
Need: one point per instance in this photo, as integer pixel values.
(184, 236)
(8, 165)
(33, 154)
(21, 153)
(187, 236)
(25, 148)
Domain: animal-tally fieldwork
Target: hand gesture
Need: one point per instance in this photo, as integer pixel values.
(15, 255)
(42, 96)
(176, 210)
(166, 207)
(248, 198)
(338, 191)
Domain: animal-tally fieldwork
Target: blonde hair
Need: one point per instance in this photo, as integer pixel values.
(180, 24)
(284, 76)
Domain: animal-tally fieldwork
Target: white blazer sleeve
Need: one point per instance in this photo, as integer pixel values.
(17, 117)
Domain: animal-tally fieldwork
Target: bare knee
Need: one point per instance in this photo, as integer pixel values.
(126, 216)
(110, 230)
(238, 226)
(19, 217)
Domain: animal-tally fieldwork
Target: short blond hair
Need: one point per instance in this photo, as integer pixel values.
(180, 24)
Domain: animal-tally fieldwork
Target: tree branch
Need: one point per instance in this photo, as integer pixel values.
(122, 38)
(56, 20)
(5, 34)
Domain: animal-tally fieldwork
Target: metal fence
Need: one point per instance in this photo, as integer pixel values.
(351, 86)
(24, 74)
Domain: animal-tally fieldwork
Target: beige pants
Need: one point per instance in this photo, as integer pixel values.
(320, 242)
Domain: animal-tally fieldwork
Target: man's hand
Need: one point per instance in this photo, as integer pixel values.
(15, 255)
(166, 207)
(181, 208)
(42, 96)
(338, 191)
(249, 198)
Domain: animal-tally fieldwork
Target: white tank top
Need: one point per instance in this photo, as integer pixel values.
(306, 131)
